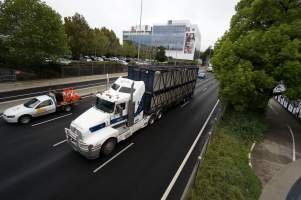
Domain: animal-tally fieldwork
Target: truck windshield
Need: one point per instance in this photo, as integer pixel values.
(32, 103)
(126, 90)
(104, 105)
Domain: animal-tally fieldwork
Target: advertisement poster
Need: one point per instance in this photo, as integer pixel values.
(189, 43)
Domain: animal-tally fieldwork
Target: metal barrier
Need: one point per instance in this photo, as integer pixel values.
(8, 78)
(293, 107)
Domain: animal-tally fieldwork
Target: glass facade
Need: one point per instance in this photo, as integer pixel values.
(177, 37)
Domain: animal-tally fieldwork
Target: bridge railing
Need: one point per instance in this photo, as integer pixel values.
(293, 107)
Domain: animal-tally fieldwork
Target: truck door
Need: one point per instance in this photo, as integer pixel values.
(119, 114)
(45, 108)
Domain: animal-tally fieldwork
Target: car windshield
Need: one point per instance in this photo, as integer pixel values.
(104, 105)
(32, 103)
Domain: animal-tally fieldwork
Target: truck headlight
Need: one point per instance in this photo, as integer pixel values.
(90, 147)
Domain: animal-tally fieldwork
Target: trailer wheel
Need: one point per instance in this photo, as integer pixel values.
(152, 120)
(68, 108)
(25, 119)
(159, 114)
(109, 146)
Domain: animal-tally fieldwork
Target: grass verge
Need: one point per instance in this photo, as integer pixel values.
(225, 172)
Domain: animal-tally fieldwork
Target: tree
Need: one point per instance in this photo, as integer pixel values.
(33, 32)
(262, 48)
(160, 55)
(79, 33)
(206, 55)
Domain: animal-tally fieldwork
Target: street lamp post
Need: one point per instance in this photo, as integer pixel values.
(140, 30)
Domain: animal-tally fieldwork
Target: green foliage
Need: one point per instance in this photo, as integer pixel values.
(262, 48)
(79, 34)
(206, 55)
(225, 173)
(160, 55)
(34, 31)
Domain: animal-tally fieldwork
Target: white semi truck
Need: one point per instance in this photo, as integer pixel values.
(130, 104)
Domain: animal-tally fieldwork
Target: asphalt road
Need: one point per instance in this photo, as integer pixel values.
(36, 163)
(27, 93)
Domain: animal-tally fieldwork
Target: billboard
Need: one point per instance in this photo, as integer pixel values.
(189, 43)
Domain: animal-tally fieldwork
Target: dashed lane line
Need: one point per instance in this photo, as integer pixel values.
(57, 144)
(50, 120)
(120, 152)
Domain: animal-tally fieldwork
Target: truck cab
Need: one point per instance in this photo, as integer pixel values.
(116, 115)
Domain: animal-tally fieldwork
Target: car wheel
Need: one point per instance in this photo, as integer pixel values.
(25, 119)
(68, 108)
(109, 146)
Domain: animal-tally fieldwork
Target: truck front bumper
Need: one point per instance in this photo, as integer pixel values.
(75, 144)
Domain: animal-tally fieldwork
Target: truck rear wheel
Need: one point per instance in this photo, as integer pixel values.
(25, 119)
(159, 114)
(152, 120)
(109, 146)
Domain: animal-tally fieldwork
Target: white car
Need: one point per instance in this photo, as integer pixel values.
(39, 106)
(210, 69)
(35, 107)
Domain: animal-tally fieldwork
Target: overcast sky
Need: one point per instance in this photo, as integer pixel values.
(212, 16)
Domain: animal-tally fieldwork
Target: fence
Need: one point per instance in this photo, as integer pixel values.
(294, 107)
(70, 71)
(8, 78)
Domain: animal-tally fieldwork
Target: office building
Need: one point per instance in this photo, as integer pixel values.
(180, 38)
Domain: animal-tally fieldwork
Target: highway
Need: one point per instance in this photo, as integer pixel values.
(37, 163)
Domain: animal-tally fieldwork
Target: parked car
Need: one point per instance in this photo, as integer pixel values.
(64, 61)
(123, 62)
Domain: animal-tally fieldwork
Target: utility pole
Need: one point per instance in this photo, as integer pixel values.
(139, 30)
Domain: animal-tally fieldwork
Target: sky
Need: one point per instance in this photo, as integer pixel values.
(212, 16)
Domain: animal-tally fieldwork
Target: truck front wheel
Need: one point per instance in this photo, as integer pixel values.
(25, 119)
(109, 146)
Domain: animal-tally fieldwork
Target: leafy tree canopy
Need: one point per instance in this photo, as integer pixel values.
(160, 55)
(262, 48)
(34, 32)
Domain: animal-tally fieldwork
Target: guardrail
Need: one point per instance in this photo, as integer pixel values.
(293, 107)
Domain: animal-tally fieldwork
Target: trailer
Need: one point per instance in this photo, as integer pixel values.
(129, 105)
(164, 86)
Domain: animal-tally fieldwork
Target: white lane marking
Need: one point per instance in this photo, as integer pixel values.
(250, 154)
(87, 96)
(50, 120)
(293, 138)
(174, 179)
(16, 100)
(205, 89)
(120, 152)
(20, 95)
(183, 105)
(273, 109)
(57, 144)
